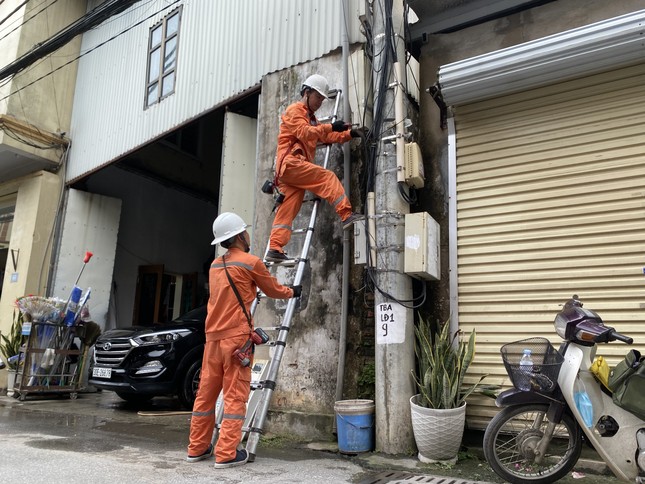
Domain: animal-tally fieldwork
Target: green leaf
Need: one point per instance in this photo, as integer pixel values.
(443, 360)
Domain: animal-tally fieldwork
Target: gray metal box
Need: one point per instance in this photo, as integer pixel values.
(421, 255)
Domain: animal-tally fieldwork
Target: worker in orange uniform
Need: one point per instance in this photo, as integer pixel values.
(295, 171)
(228, 327)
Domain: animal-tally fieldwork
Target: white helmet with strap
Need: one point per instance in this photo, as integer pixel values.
(317, 83)
(227, 225)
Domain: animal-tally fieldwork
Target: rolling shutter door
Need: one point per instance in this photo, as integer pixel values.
(550, 203)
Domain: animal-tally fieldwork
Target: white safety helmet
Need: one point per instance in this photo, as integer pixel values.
(227, 225)
(318, 83)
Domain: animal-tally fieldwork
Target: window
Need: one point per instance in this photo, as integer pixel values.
(162, 58)
(7, 209)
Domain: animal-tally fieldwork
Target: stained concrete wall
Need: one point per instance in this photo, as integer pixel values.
(535, 23)
(37, 201)
(44, 90)
(304, 398)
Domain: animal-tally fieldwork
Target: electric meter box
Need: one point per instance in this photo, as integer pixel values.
(421, 253)
(360, 242)
(413, 169)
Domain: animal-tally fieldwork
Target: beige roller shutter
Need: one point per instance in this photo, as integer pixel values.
(550, 202)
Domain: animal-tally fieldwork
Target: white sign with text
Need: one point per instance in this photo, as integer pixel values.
(390, 323)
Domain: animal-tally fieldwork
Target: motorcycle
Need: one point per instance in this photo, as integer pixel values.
(537, 436)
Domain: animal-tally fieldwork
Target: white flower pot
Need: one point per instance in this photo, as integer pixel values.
(11, 381)
(437, 432)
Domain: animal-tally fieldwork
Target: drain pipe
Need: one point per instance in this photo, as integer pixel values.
(342, 339)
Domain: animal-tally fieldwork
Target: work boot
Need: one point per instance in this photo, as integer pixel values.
(240, 458)
(196, 458)
(276, 256)
(349, 221)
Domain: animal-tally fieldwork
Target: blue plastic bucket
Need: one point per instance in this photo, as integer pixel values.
(355, 425)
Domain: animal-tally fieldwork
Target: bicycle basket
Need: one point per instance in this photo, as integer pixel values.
(543, 376)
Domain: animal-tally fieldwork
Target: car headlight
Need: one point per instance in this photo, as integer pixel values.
(160, 337)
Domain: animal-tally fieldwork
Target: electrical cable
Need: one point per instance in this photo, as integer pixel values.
(83, 24)
(27, 20)
(14, 11)
(101, 44)
(372, 143)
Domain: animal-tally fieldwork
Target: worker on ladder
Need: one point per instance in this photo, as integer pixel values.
(295, 171)
(233, 282)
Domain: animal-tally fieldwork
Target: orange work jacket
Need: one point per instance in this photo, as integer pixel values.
(225, 318)
(300, 133)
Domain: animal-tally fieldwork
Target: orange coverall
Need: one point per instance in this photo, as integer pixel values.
(299, 135)
(227, 329)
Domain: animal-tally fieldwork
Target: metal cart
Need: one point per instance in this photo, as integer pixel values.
(51, 361)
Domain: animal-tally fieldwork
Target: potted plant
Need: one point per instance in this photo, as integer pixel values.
(439, 409)
(10, 349)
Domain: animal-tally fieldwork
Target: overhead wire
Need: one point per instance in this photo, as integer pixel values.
(27, 20)
(14, 11)
(387, 57)
(101, 44)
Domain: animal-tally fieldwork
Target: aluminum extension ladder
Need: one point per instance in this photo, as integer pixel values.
(262, 390)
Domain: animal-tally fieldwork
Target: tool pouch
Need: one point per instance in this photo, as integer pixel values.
(624, 370)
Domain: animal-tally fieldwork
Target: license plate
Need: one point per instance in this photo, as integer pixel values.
(102, 372)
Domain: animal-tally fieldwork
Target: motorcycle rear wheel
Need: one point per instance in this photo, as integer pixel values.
(513, 434)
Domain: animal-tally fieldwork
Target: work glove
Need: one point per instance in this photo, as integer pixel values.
(339, 126)
(358, 132)
(297, 290)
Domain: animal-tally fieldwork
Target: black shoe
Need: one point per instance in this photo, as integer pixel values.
(349, 221)
(240, 458)
(275, 256)
(196, 458)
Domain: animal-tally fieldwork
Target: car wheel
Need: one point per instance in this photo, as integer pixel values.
(189, 385)
(134, 397)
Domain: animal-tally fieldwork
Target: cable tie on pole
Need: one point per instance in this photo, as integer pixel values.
(393, 248)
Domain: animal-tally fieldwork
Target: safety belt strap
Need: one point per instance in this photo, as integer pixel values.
(237, 294)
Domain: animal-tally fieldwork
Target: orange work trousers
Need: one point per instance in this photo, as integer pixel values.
(220, 371)
(298, 175)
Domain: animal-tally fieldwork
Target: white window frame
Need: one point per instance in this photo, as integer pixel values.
(163, 48)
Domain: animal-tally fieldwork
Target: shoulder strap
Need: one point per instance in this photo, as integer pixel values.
(237, 294)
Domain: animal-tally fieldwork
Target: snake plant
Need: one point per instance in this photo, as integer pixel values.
(443, 361)
(10, 344)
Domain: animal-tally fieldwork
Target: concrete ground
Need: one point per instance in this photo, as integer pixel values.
(99, 438)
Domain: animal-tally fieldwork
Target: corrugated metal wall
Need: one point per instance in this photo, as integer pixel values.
(224, 49)
(551, 202)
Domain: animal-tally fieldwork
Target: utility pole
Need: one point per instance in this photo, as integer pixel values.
(394, 332)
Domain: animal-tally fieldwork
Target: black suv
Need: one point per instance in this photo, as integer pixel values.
(139, 363)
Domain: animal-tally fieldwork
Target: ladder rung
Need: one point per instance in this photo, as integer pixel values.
(258, 402)
(284, 263)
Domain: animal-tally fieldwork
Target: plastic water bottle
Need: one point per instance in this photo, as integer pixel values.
(526, 371)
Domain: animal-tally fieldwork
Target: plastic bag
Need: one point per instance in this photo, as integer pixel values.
(583, 403)
(600, 369)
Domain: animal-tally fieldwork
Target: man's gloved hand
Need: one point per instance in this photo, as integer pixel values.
(358, 132)
(297, 290)
(339, 126)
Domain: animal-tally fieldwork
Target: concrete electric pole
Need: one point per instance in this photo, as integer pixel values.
(394, 330)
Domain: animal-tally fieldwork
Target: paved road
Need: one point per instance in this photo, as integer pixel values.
(98, 438)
